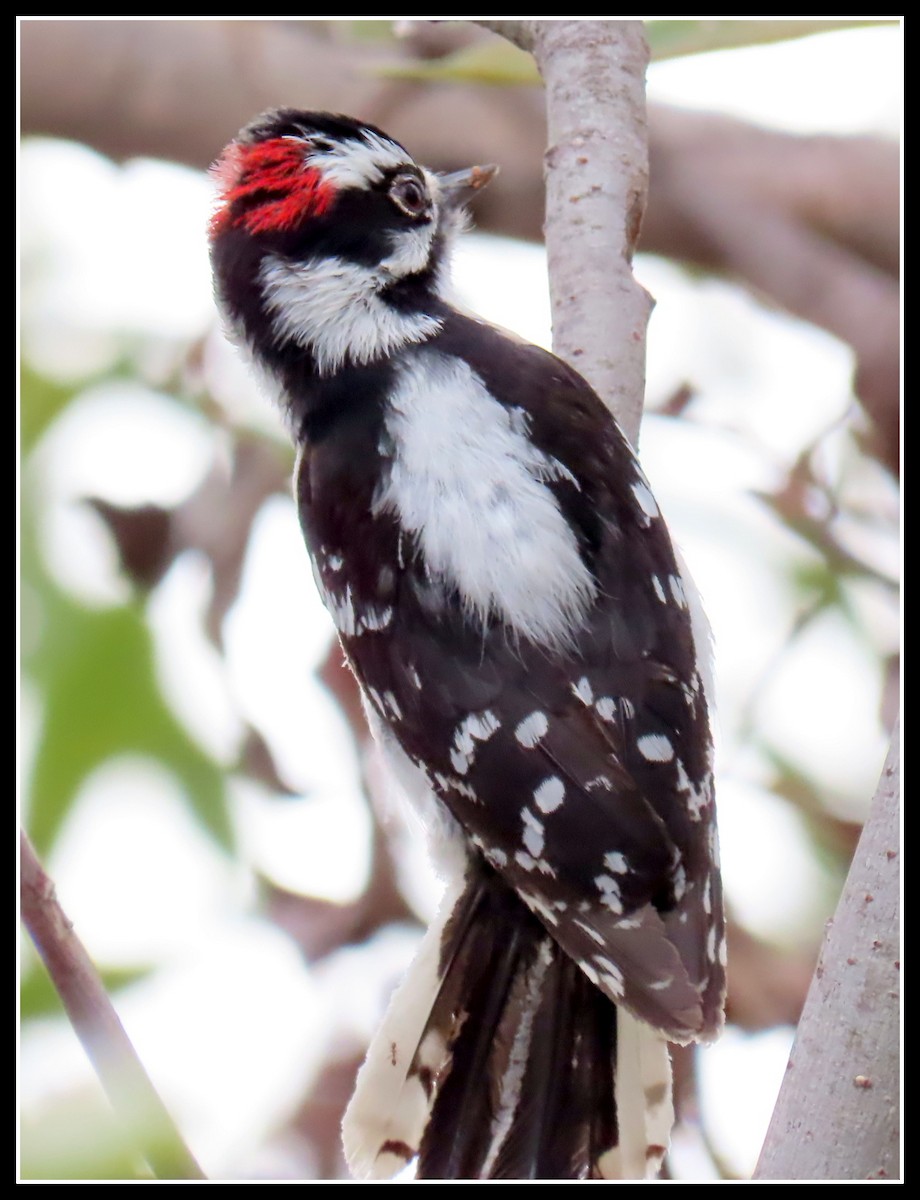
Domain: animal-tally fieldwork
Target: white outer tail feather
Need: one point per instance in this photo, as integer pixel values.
(385, 1105)
(645, 1112)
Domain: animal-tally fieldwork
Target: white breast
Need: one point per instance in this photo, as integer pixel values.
(470, 485)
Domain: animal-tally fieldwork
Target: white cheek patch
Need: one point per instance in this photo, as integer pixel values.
(411, 251)
(471, 487)
(332, 308)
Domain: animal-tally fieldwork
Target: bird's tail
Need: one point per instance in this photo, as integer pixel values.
(499, 1059)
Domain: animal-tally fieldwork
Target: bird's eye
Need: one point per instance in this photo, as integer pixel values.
(408, 194)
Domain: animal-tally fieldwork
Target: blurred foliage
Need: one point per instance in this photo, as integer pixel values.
(499, 63)
(95, 676)
(494, 62)
(77, 1137)
(41, 401)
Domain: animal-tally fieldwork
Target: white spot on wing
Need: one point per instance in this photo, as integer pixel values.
(646, 501)
(533, 835)
(550, 794)
(478, 727)
(606, 708)
(349, 619)
(532, 729)
(696, 797)
(610, 892)
(582, 690)
(655, 747)
(616, 862)
(374, 619)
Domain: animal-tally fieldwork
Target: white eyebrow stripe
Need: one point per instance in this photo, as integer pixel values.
(359, 163)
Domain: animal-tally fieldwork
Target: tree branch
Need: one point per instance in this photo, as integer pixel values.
(837, 1116)
(139, 1109)
(596, 189)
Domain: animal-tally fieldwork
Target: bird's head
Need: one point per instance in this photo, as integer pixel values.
(332, 209)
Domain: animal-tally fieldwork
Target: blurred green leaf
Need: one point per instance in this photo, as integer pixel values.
(42, 401)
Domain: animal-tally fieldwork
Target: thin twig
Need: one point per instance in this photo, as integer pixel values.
(138, 1107)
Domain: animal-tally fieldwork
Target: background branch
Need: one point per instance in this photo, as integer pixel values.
(138, 1107)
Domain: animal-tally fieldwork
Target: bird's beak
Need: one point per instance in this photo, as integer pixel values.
(460, 186)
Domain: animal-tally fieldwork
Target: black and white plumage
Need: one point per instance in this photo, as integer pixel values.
(532, 658)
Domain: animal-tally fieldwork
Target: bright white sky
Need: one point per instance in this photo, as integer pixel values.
(229, 979)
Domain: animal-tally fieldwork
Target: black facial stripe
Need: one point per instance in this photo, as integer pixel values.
(391, 173)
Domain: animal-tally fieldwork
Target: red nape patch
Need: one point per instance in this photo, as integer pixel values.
(274, 178)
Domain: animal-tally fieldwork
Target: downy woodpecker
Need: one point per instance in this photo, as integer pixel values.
(533, 661)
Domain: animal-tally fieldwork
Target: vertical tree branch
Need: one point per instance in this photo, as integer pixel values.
(137, 1105)
(596, 189)
(837, 1116)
